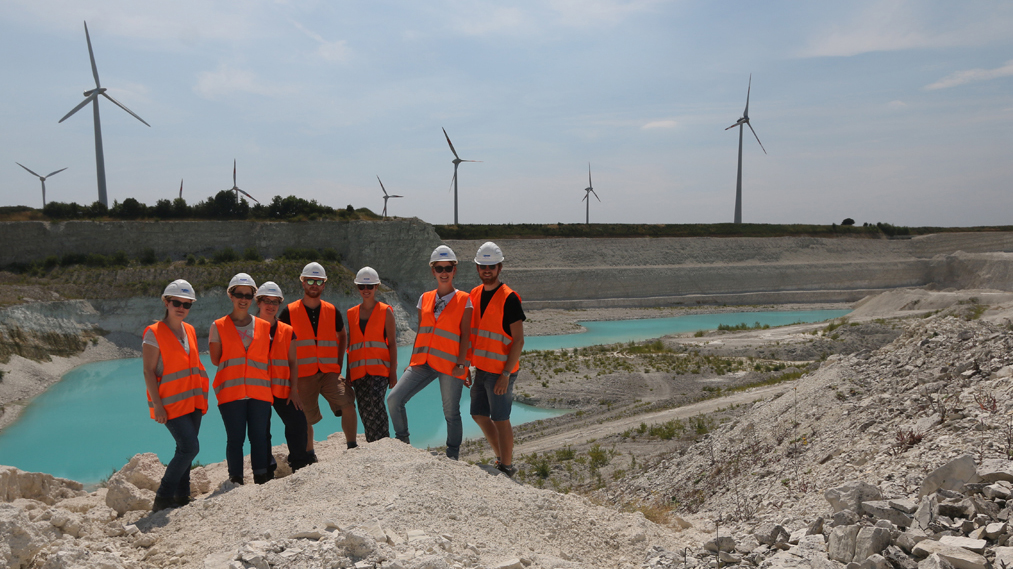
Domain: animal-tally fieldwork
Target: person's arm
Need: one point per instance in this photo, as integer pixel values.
(339, 324)
(517, 333)
(462, 355)
(391, 331)
(215, 345)
(293, 377)
(149, 361)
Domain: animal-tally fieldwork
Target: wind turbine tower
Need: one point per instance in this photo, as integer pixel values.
(738, 179)
(457, 161)
(587, 196)
(385, 197)
(234, 187)
(91, 96)
(42, 179)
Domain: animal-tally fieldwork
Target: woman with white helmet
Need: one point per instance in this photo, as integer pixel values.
(240, 346)
(372, 354)
(440, 351)
(283, 373)
(177, 388)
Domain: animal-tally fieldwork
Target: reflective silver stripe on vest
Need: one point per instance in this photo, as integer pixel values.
(363, 363)
(325, 361)
(281, 382)
(305, 343)
(257, 365)
(447, 335)
(490, 355)
(241, 381)
(362, 345)
(443, 355)
(230, 363)
(279, 363)
(326, 344)
(425, 329)
(179, 397)
(494, 336)
(181, 374)
(306, 361)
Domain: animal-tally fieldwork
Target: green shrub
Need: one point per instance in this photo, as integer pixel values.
(147, 257)
(597, 456)
(226, 255)
(119, 259)
(50, 262)
(297, 254)
(330, 254)
(191, 260)
(251, 254)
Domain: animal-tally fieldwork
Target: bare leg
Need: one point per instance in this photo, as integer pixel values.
(349, 422)
(506, 441)
(491, 434)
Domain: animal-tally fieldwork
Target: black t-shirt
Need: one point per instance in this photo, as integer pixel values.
(364, 321)
(512, 311)
(314, 316)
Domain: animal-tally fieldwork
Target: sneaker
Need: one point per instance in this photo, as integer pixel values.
(263, 478)
(507, 469)
(311, 457)
(236, 480)
(162, 503)
(352, 444)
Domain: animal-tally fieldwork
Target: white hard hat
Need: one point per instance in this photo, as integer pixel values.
(314, 271)
(180, 289)
(242, 279)
(367, 275)
(270, 289)
(489, 254)
(442, 253)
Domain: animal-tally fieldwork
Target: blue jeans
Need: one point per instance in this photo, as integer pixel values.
(295, 433)
(413, 380)
(241, 417)
(176, 480)
(485, 402)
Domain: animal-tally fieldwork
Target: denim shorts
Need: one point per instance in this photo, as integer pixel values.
(485, 403)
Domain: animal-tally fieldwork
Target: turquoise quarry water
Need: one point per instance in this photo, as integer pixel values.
(96, 417)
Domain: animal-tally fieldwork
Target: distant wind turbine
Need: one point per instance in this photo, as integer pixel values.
(457, 161)
(587, 196)
(738, 180)
(385, 196)
(91, 96)
(234, 187)
(181, 188)
(42, 179)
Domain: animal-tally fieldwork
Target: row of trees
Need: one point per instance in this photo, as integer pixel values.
(224, 205)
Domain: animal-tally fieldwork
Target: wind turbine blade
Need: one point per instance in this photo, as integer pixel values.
(397, 196)
(86, 100)
(470, 160)
(57, 172)
(381, 186)
(120, 105)
(91, 55)
(589, 184)
(450, 143)
(596, 195)
(745, 113)
(247, 195)
(181, 187)
(757, 137)
(234, 173)
(452, 180)
(585, 196)
(733, 126)
(26, 168)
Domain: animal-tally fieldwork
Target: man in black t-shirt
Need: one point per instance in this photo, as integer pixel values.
(497, 338)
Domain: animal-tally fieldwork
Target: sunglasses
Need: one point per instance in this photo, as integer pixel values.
(178, 303)
(270, 302)
(241, 295)
(315, 282)
(367, 287)
(443, 269)
(486, 267)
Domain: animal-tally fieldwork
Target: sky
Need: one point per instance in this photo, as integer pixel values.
(894, 111)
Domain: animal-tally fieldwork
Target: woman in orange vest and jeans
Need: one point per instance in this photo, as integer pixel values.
(177, 388)
(240, 346)
(441, 348)
(372, 354)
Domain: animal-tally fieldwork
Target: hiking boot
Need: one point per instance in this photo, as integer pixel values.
(162, 503)
(311, 457)
(352, 444)
(236, 480)
(263, 478)
(182, 501)
(507, 469)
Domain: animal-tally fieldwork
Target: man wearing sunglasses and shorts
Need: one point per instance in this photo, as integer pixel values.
(319, 338)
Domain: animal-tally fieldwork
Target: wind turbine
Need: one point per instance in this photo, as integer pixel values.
(587, 196)
(181, 188)
(457, 161)
(738, 180)
(91, 96)
(234, 187)
(385, 197)
(42, 179)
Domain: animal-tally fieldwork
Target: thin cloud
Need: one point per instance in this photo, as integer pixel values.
(336, 51)
(583, 13)
(659, 124)
(227, 80)
(971, 76)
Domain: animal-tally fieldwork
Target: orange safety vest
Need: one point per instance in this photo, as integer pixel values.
(368, 353)
(183, 386)
(490, 343)
(315, 352)
(281, 385)
(243, 372)
(438, 342)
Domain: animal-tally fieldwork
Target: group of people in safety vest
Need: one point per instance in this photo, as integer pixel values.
(286, 357)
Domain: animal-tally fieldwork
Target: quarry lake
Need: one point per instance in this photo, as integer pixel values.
(96, 418)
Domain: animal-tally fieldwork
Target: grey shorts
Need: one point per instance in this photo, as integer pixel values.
(485, 402)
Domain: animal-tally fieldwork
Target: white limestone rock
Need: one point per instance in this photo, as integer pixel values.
(20, 539)
(122, 496)
(15, 484)
(851, 495)
(144, 471)
(950, 476)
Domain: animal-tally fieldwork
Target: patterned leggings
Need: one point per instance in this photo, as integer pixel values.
(371, 393)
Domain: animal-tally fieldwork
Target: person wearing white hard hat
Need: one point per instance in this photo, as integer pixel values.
(497, 338)
(283, 370)
(240, 345)
(440, 351)
(372, 354)
(319, 338)
(177, 387)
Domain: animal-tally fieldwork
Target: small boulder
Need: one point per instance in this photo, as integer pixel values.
(876, 561)
(841, 543)
(123, 496)
(770, 534)
(870, 540)
(935, 561)
(144, 471)
(951, 476)
(721, 543)
(975, 545)
(844, 518)
(1003, 555)
(957, 556)
(15, 483)
(882, 510)
(20, 540)
(995, 469)
(851, 495)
